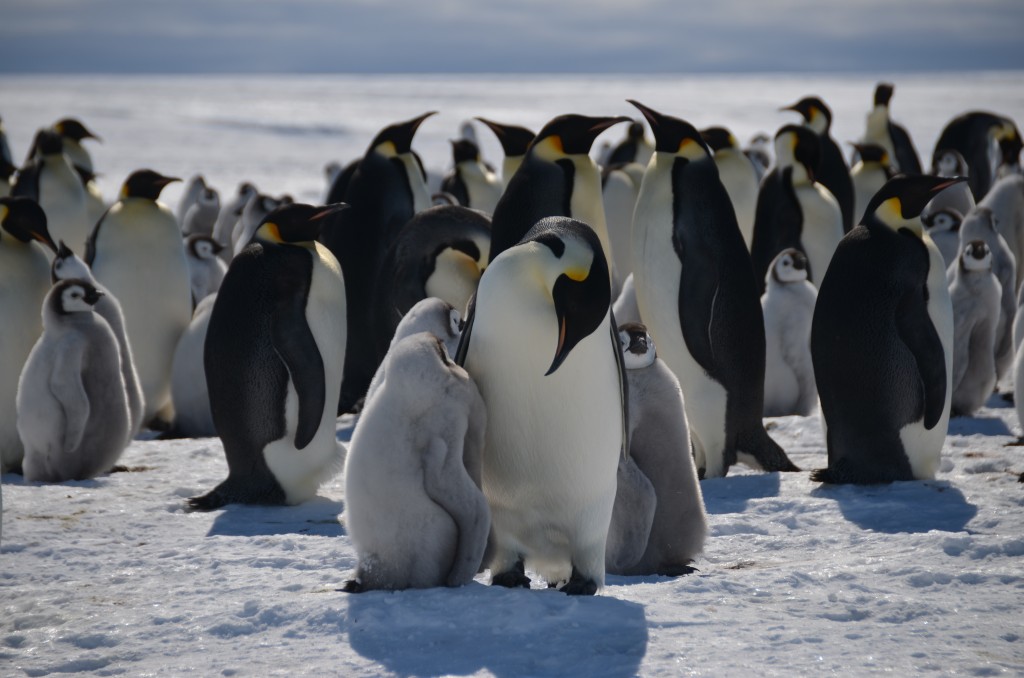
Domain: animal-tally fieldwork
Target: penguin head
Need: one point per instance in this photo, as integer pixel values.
(73, 295)
(145, 183)
(571, 134)
(789, 266)
(295, 223)
(463, 150)
(637, 346)
(674, 136)
(899, 203)
(1009, 150)
(202, 247)
(816, 114)
(872, 153)
(514, 140)
(946, 219)
(209, 197)
(396, 139)
(635, 131)
(976, 257)
(66, 265)
(883, 93)
(72, 128)
(25, 220)
(949, 163)
(47, 142)
(719, 138)
(795, 144)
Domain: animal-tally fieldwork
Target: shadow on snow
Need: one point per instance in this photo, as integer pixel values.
(910, 506)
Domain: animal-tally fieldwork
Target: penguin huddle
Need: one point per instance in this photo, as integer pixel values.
(507, 419)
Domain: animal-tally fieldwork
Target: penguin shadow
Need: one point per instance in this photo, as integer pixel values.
(344, 427)
(317, 517)
(988, 426)
(503, 632)
(912, 506)
(732, 493)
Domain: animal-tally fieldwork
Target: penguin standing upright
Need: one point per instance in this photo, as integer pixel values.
(868, 174)
(136, 251)
(72, 132)
(191, 397)
(7, 171)
(555, 424)
(206, 270)
(788, 306)
(892, 137)
(273, 357)
(1006, 200)
(472, 183)
(201, 216)
(975, 294)
(24, 282)
(229, 216)
(258, 207)
(882, 343)
(385, 190)
(832, 171)
(514, 142)
(944, 229)
(634, 148)
(738, 175)
(697, 295)
(974, 135)
(194, 187)
(793, 209)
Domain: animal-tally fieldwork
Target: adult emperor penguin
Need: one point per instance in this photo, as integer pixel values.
(557, 178)
(869, 173)
(24, 283)
(274, 353)
(65, 266)
(892, 137)
(882, 343)
(385, 190)
(634, 148)
(832, 171)
(206, 270)
(51, 180)
(793, 209)
(413, 508)
(697, 295)
(973, 135)
(441, 253)
(7, 171)
(72, 409)
(788, 306)
(189, 393)
(471, 182)
(134, 250)
(540, 344)
(738, 175)
(975, 293)
(944, 229)
(514, 142)
(72, 132)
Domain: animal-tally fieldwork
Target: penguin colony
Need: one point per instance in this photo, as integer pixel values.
(546, 362)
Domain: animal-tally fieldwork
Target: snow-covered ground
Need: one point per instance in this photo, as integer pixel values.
(112, 576)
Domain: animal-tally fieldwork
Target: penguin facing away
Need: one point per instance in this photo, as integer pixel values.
(882, 343)
(788, 306)
(229, 216)
(194, 187)
(201, 217)
(416, 515)
(540, 344)
(696, 292)
(273, 357)
(24, 283)
(868, 174)
(975, 293)
(72, 409)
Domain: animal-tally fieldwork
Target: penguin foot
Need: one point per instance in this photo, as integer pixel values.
(677, 570)
(512, 579)
(1016, 443)
(821, 475)
(767, 452)
(1007, 397)
(352, 586)
(208, 502)
(579, 585)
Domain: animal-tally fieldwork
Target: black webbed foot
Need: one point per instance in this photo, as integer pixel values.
(512, 579)
(579, 585)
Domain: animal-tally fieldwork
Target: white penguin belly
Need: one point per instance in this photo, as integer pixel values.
(62, 197)
(301, 472)
(587, 206)
(822, 227)
(740, 181)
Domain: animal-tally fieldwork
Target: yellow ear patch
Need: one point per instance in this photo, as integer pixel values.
(124, 191)
(890, 212)
(387, 149)
(269, 232)
(577, 274)
(3, 212)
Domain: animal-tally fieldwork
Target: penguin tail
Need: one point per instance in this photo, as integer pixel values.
(768, 453)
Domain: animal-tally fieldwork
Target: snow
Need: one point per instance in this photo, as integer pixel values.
(112, 576)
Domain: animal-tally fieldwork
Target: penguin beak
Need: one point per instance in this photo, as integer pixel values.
(44, 237)
(602, 125)
(653, 117)
(92, 295)
(563, 349)
(401, 134)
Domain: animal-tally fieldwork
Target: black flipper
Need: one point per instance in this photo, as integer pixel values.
(467, 331)
(296, 347)
(906, 155)
(697, 295)
(620, 365)
(915, 328)
(778, 222)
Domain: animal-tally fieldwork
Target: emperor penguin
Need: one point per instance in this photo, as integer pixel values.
(514, 141)
(201, 216)
(51, 180)
(832, 171)
(206, 270)
(658, 451)
(620, 184)
(133, 251)
(72, 133)
(949, 163)
(759, 152)
(697, 295)
(541, 345)
(634, 148)
(979, 224)
(414, 511)
(194, 187)
(385, 189)
(332, 170)
(882, 343)
(788, 306)
(189, 393)
(258, 207)
(625, 307)
(975, 293)
(976, 135)
(273, 358)
(738, 175)
(890, 136)
(868, 174)
(7, 172)
(73, 413)
(229, 215)
(1006, 201)
(441, 253)
(24, 283)
(472, 183)
(5, 148)
(67, 265)
(944, 229)
(793, 209)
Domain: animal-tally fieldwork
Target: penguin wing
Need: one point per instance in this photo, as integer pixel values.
(778, 220)
(67, 387)
(906, 154)
(90, 242)
(467, 332)
(620, 365)
(454, 185)
(915, 328)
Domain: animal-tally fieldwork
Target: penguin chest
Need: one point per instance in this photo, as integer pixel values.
(586, 203)
(483, 187)
(822, 227)
(454, 278)
(62, 197)
(740, 181)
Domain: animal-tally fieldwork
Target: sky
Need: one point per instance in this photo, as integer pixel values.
(521, 36)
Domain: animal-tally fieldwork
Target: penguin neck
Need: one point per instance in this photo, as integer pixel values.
(818, 123)
(77, 154)
(800, 176)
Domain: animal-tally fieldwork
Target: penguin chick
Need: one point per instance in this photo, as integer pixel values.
(201, 217)
(194, 187)
(229, 216)
(975, 293)
(659, 453)
(258, 207)
(788, 306)
(206, 269)
(72, 409)
(191, 398)
(413, 510)
(944, 229)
